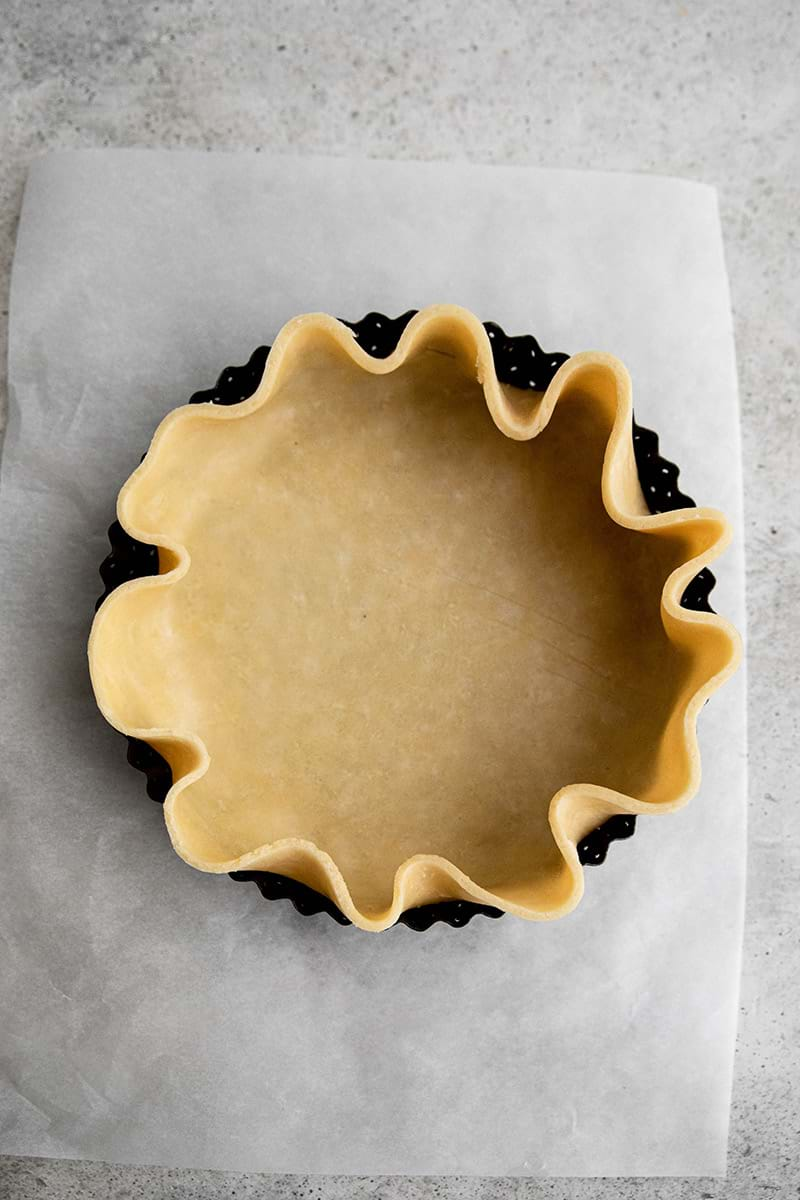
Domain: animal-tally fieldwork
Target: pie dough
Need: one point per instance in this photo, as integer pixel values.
(416, 631)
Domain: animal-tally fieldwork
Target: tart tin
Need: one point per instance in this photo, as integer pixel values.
(519, 361)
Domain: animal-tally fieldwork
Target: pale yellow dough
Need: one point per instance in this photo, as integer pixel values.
(417, 632)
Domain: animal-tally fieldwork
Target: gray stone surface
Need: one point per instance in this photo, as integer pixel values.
(705, 90)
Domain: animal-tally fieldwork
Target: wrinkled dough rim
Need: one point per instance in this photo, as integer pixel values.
(521, 415)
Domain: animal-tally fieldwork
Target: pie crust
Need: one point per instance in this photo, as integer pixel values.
(410, 642)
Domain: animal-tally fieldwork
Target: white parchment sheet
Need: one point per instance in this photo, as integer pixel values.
(150, 1013)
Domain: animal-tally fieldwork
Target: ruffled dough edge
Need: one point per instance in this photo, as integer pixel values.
(574, 810)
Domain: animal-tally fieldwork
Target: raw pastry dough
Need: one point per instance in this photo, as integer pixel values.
(417, 632)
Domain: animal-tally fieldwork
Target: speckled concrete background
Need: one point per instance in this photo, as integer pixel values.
(704, 90)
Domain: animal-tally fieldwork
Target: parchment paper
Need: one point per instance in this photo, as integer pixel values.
(149, 1013)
